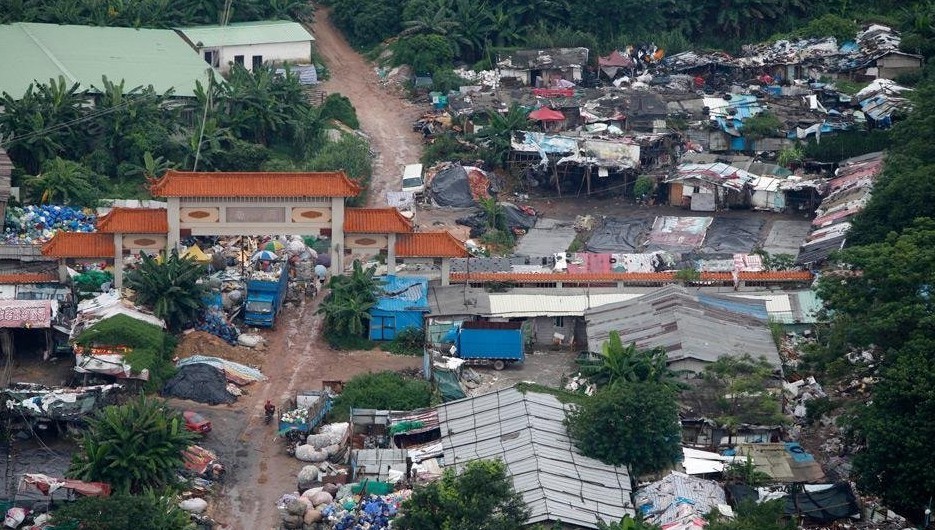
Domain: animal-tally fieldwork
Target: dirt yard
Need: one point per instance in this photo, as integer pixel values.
(384, 117)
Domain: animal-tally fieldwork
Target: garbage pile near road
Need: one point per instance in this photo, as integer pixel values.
(37, 224)
(339, 508)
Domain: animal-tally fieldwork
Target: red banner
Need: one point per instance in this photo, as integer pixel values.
(554, 92)
(25, 313)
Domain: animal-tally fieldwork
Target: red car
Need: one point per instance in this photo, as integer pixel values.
(196, 422)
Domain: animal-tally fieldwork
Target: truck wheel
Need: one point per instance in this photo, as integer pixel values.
(499, 365)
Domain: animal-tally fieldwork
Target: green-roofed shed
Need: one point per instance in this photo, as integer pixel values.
(251, 43)
(84, 54)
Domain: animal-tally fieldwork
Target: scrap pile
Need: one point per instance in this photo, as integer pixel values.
(337, 508)
(37, 224)
(215, 322)
(66, 404)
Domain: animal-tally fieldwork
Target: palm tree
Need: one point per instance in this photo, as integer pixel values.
(471, 33)
(438, 20)
(347, 307)
(63, 181)
(498, 133)
(627, 364)
(133, 447)
(170, 288)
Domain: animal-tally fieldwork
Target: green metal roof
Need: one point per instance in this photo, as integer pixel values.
(242, 33)
(142, 57)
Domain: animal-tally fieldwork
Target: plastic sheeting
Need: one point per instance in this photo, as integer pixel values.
(616, 235)
(449, 386)
(199, 382)
(733, 235)
(450, 187)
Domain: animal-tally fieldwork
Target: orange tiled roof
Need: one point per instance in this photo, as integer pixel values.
(430, 245)
(134, 221)
(635, 277)
(232, 184)
(375, 221)
(79, 245)
(28, 277)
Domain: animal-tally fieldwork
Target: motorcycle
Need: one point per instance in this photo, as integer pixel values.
(269, 415)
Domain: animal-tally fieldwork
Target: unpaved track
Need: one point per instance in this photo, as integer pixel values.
(260, 470)
(384, 117)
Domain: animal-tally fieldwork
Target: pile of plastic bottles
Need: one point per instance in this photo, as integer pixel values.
(374, 512)
(37, 224)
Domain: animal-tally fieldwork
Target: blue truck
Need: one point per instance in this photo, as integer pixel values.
(491, 343)
(266, 292)
(303, 413)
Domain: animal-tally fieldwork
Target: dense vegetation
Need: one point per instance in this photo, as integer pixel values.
(481, 497)
(119, 512)
(382, 391)
(134, 447)
(472, 32)
(254, 121)
(882, 302)
(149, 13)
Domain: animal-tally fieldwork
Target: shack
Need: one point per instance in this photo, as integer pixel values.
(549, 68)
(400, 306)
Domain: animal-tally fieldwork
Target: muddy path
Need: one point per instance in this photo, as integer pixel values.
(385, 117)
(260, 471)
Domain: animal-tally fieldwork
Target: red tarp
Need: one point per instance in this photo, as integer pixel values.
(198, 458)
(25, 313)
(553, 92)
(615, 59)
(48, 485)
(546, 114)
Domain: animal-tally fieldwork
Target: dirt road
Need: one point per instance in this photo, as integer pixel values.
(259, 471)
(384, 117)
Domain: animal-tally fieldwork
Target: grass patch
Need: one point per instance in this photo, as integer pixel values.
(348, 342)
(152, 347)
(382, 391)
(562, 395)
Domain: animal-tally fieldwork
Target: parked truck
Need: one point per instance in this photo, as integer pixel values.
(303, 413)
(266, 291)
(492, 343)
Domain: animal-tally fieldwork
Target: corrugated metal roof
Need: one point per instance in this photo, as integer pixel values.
(526, 431)
(83, 54)
(239, 33)
(687, 326)
(547, 305)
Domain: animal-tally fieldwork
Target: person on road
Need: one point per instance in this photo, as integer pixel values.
(269, 407)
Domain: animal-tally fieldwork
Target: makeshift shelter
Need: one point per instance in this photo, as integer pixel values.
(611, 64)
(399, 307)
(546, 114)
(195, 253)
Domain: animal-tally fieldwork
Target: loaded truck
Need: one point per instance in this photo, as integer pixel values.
(303, 413)
(492, 343)
(266, 292)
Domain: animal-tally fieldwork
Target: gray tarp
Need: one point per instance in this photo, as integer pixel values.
(732, 235)
(450, 187)
(616, 235)
(199, 382)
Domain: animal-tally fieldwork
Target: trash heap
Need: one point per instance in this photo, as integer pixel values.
(336, 507)
(37, 224)
(328, 444)
(215, 322)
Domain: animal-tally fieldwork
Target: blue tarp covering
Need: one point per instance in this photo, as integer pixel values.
(400, 306)
(749, 307)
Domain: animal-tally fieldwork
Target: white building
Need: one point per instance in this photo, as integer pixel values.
(251, 43)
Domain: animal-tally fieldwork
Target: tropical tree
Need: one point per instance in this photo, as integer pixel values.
(133, 447)
(740, 388)
(63, 182)
(498, 133)
(121, 511)
(169, 288)
(347, 306)
(634, 424)
(481, 497)
(627, 364)
(436, 18)
(750, 515)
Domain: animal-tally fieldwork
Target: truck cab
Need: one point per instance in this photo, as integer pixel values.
(413, 181)
(258, 310)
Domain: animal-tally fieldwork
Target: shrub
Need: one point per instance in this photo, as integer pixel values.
(383, 391)
(407, 342)
(339, 108)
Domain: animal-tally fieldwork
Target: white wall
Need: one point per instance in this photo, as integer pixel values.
(293, 52)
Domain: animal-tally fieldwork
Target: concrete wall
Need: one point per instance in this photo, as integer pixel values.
(543, 329)
(294, 52)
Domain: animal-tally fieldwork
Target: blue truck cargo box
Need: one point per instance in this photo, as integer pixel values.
(493, 341)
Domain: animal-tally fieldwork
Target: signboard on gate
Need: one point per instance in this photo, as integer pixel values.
(25, 313)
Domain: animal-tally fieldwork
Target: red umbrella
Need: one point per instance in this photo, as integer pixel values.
(546, 114)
